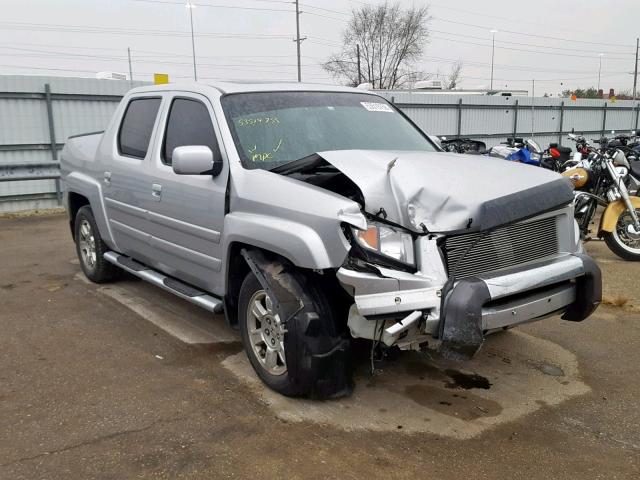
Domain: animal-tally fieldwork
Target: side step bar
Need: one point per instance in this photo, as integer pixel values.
(179, 289)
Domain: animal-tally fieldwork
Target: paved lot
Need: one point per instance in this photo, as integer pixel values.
(124, 381)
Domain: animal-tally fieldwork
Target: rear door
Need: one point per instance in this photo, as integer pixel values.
(126, 177)
(186, 212)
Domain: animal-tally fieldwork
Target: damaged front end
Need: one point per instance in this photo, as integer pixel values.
(466, 286)
(441, 258)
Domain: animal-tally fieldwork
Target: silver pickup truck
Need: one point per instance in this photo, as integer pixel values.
(312, 215)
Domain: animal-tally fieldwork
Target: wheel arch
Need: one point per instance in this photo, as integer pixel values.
(236, 269)
(75, 201)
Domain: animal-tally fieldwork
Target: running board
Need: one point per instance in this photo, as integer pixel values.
(179, 289)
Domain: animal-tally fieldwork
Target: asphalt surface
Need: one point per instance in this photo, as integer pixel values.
(125, 381)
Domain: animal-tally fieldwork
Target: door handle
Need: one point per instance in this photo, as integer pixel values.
(156, 191)
(107, 178)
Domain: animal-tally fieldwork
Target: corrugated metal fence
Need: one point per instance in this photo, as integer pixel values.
(492, 119)
(38, 113)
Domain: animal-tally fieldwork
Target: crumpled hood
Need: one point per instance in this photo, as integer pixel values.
(449, 192)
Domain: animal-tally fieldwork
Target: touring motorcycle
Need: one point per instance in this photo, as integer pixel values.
(604, 177)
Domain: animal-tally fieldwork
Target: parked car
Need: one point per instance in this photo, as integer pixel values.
(312, 215)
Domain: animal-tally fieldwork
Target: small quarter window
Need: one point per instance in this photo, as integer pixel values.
(137, 127)
(189, 123)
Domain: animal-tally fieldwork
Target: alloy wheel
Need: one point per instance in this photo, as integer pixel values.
(266, 334)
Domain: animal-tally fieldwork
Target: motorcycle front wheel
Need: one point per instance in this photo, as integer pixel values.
(624, 240)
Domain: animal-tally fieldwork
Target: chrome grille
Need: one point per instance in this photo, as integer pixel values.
(503, 247)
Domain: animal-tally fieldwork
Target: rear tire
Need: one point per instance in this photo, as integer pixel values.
(91, 249)
(312, 356)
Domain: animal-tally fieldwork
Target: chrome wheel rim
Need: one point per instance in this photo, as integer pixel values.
(625, 233)
(266, 334)
(87, 244)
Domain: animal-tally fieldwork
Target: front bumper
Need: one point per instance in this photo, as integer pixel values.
(474, 306)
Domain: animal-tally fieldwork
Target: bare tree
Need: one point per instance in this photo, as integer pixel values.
(454, 75)
(391, 42)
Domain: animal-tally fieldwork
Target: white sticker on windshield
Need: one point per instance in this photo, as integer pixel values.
(376, 107)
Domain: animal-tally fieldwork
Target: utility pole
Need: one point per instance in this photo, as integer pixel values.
(359, 71)
(298, 40)
(191, 6)
(493, 51)
(635, 71)
(130, 70)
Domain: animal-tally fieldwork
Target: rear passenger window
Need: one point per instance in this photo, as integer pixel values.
(137, 126)
(189, 123)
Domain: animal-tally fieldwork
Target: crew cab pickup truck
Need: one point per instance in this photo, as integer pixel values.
(314, 215)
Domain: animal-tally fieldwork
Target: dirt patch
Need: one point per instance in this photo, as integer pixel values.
(615, 300)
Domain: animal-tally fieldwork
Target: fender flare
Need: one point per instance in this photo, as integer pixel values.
(612, 212)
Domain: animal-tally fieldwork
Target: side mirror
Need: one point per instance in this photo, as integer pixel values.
(192, 160)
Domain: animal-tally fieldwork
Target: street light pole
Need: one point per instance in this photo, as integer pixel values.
(493, 51)
(600, 55)
(635, 70)
(191, 6)
(298, 40)
(130, 69)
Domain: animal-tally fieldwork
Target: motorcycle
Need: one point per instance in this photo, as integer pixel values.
(515, 149)
(462, 145)
(605, 178)
(556, 157)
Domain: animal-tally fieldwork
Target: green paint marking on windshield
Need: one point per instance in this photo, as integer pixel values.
(251, 122)
(264, 156)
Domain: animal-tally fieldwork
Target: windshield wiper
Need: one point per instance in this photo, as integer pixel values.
(309, 162)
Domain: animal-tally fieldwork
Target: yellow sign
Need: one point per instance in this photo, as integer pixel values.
(160, 78)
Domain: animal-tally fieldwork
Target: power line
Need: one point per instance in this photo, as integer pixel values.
(136, 50)
(555, 47)
(209, 5)
(129, 31)
(573, 55)
(487, 28)
(483, 27)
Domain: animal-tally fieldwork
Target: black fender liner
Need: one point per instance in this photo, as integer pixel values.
(588, 291)
(461, 326)
(318, 353)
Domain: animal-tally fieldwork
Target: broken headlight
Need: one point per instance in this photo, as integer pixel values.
(386, 241)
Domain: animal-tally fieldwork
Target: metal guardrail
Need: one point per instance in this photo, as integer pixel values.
(17, 172)
(29, 171)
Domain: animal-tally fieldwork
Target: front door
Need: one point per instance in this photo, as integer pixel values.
(186, 212)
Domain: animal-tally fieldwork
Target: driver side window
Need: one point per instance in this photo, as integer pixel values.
(188, 123)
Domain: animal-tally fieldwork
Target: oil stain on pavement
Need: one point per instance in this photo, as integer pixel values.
(507, 380)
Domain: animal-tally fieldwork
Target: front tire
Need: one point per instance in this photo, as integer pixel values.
(624, 241)
(309, 356)
(91, 249)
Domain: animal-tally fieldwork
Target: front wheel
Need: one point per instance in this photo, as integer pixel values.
(624, 240)
(306, 356)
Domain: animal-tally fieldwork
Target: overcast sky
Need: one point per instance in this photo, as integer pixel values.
(558, 42)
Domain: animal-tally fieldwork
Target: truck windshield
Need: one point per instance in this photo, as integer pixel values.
(272, 128)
